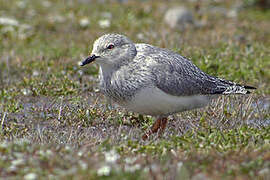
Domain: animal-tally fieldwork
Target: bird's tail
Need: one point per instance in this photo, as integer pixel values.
(238, 89)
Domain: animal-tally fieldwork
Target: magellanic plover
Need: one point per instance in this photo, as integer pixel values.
(154, 81)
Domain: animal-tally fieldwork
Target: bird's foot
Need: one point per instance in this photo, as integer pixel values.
(158, 126)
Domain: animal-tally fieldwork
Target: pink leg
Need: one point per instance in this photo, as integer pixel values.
(158, 126)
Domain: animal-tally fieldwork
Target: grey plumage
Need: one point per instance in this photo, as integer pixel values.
(179, 77)
(128, 68)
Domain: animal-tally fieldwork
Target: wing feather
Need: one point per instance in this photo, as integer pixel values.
(178, 76)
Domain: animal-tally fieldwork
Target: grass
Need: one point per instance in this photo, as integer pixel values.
(55, 124)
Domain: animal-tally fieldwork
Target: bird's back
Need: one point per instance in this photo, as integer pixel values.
(178, 76)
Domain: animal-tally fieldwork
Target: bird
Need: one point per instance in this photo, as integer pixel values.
(154, 81)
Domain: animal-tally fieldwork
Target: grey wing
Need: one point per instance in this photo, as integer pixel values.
(176, 75)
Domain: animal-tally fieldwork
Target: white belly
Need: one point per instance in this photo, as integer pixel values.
(153, 101)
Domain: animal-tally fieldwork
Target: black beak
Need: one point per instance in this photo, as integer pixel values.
(88, 60)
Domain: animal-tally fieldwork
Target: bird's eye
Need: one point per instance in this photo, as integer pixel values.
(111, 46)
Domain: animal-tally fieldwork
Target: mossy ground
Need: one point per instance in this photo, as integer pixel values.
(54, 124)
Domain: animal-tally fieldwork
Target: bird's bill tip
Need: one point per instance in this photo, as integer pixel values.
(88, 60)
(80, 63)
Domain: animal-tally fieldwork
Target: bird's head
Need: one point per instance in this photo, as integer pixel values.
(111, 50)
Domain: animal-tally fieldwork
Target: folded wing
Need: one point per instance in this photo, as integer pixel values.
(176, 75)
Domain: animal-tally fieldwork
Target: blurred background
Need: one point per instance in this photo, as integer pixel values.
(230, 38)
